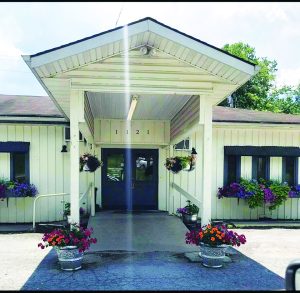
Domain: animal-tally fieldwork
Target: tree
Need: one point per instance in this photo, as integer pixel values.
(253, 94)
(284, 100)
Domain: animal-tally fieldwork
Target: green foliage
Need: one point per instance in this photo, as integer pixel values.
(260, 93)
(67, 208)
(257, 199)
(252, 94)
(184, 161)
(277, 191)
(192, 208)
(8, 183)
(281, 190)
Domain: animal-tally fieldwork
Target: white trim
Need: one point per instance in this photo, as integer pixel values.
(92, 43)
(29, 118)
(202, 48)
(253, 124)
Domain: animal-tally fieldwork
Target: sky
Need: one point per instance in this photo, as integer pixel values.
(272, 28)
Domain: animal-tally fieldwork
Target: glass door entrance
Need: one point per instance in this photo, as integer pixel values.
(130, 179)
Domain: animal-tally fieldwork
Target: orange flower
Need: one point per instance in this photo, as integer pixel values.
(223, 235)
(218, 232)
(211, 232)
(208, 226)
(212, 238)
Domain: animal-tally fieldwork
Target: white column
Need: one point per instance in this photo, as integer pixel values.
(74, 155)
(205, 120)
(170, 181)
(92, 190)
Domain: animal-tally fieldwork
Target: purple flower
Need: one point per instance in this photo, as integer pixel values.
(24, 189)
(269, 197)
(182, 211)
(234, 190)
(294, 192)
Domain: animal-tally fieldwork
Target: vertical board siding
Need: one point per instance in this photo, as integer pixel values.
(231, 208)
(49, 172)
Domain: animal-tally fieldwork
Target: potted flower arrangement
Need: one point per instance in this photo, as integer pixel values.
(271, 193)
(213, 241)
(189, 213)
(70, 245)
(177, 164)
(89, 163)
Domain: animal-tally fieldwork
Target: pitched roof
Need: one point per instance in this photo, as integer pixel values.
(43, 106)
(226, 114)
(33, 106)
(138, 21)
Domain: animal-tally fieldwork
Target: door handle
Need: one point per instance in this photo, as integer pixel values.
(132, 185)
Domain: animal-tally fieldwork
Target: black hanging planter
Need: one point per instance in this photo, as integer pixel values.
(89, 163)
(177, 164)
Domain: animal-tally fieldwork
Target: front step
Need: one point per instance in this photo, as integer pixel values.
(49, 227)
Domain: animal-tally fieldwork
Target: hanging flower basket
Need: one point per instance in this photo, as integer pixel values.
(177, 164)
(89, 163)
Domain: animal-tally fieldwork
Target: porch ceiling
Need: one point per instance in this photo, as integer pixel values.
(149, 107)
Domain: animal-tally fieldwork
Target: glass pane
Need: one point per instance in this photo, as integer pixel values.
(144, 168)
(290, 170)
(261, 168)
(231, 169)
(19, 167)
(115, 167)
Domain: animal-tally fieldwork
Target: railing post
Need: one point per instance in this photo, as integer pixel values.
(34, 205)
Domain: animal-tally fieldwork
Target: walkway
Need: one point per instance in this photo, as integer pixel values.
(138, 232)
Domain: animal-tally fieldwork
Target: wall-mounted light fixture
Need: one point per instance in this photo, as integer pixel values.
(133, 103)
(64, 149)
(145, 50)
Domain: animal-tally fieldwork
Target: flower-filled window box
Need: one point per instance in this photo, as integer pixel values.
(271, 193)
(16, 189)
(89, 163)
(177, 164)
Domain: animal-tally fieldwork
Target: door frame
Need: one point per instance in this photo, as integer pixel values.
(118, 147)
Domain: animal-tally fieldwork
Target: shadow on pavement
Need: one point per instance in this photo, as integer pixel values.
(122, 270)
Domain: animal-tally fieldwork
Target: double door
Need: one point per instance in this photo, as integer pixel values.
(130, 179)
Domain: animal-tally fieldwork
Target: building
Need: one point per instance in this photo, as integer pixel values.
(132, 93)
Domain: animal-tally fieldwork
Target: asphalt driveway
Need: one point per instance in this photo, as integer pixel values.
(258, 265)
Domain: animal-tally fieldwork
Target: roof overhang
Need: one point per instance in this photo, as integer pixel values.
(52, 66)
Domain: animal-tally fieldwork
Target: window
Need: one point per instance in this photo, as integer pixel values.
(232, 169)
(289, 170)
(261, 167)
(115, 167)
(68, 134)
(19, 167)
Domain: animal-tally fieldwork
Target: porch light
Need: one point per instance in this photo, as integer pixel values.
(132, 107)
(64, 149)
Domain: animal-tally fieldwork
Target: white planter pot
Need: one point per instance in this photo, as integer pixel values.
(69, 257)
(212, 256)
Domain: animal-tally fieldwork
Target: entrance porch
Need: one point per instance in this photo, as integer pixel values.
(143, 85)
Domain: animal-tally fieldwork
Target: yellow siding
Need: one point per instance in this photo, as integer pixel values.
(49, 172)
(227, 135)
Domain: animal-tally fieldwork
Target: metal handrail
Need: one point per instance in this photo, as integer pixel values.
(187, 195)
(85, 193)
(38, 197)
